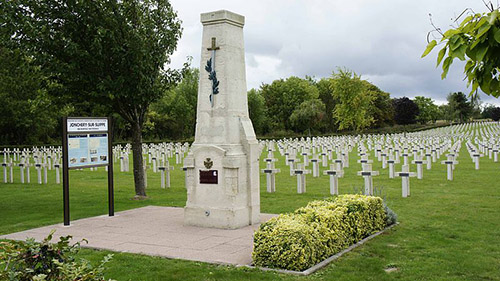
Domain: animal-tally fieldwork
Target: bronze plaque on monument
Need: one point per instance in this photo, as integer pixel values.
(209, 177)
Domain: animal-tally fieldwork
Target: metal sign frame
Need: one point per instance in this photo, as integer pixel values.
(66, 168)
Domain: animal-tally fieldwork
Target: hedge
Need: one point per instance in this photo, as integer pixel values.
(313, 233)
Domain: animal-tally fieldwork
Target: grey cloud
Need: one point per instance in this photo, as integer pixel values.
(380, 40)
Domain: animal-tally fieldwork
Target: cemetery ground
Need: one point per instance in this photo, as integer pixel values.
(449, 230)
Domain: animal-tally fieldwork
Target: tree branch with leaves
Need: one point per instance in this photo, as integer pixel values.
(476, 40)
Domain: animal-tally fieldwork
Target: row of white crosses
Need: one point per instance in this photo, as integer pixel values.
(121, 154)
(424, 147)
(158, 155)
(291, 150)
(44, 158)
(270, 171)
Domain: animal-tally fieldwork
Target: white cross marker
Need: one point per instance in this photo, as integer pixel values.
(300, 172)
(368, 174)
(270, 179)
(405, 175)
(334, 181)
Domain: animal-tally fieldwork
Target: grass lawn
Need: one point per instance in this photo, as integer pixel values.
(448, 230)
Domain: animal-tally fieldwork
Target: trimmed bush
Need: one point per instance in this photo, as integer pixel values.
(317, 231)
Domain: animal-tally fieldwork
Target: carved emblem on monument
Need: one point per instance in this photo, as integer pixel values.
(208, 163)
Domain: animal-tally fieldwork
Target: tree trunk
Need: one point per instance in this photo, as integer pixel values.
(140, 188)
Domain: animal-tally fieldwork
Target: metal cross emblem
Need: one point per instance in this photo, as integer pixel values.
(210, 68)
(213, 48)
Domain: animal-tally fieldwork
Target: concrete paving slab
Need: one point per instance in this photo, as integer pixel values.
(155, 231)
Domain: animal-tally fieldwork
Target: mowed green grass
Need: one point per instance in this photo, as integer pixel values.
(447, 231)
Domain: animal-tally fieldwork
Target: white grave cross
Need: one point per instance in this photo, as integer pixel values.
(368, 174)
(270, 178)
(405, 175)
(300, 172)
(334, 181)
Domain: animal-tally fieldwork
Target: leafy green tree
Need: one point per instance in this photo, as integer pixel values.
(475, 40)
(325, 95)
(428, 111)
(110, 52)
(491, 112)
(308, 116)
(495, 114)
(475, 103)
(28, 115)
(405, 111)
(352, 110)
(174, 115)
(257, 111)
(381, 106)
(283, 97)
(445, 113)
(460, 108)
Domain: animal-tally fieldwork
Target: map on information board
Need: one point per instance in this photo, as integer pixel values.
(87, 150)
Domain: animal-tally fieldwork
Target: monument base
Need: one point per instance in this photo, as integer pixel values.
(218, 218)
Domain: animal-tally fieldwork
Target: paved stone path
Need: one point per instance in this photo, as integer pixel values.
(155, 231)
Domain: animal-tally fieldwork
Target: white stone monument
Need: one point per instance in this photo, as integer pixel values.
(222, 167)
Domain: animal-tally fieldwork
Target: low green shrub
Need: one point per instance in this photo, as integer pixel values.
(31, 260)
(391, 217)
(317, 231)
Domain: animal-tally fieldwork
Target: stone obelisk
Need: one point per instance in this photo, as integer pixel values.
(222, 168)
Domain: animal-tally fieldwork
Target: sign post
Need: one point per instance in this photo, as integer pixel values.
(87, 142)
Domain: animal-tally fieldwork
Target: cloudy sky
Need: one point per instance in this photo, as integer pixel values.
(380, 40)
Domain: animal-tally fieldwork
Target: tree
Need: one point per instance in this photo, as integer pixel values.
(445, 112)
(257, 111)
(110, 52)
(459, 106)
(495, 114)
(475, 40)
(324, 87)
(174, 115)
(283, 97)
(381, 106)
(353, 104)
(475, 103)
(308, 116)
(29, 115)
(427, 110)
(405, 111)
(491, 112)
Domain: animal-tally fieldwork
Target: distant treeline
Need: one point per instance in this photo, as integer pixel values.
(344, 101)
(30, 114)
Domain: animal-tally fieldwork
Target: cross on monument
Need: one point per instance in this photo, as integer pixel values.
(210, 68)
(213, 48)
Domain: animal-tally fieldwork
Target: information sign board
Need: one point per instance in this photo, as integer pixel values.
(87, 149)
(86, 143)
